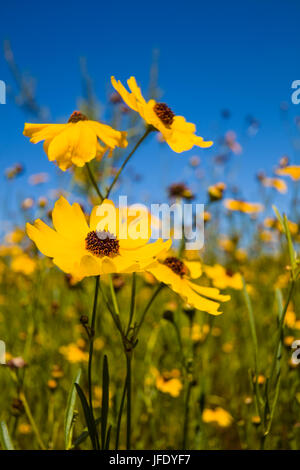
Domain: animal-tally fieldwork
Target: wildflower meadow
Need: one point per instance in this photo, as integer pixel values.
(143, 306)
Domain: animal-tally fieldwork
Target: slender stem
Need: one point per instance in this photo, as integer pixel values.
(120, 414)
(132, 304)
(281, 323)
(186, 415)
(31, 420)
(93, 181)
(92, 334)
(156, 292)
(148, 130)
(113, 296)
(128, 389)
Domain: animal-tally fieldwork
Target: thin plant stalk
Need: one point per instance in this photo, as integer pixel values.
(91, 350)
(147, 132)
(128, 392)
(93, 181)
(32, 422)
(120, 415)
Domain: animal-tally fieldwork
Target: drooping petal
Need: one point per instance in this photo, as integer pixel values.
(38, 132)
(111, 137)
(181, 286)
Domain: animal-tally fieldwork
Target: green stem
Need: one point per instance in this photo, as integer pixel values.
(281, 323)
(156, 292)
(147, 132)
(113, 296)
(132, 303)
(93, 181)
(120, 414)
(31, 420)
(128, 389)
(186, 415)
(92, 334)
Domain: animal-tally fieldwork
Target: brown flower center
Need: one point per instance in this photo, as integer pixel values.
(229, 272)
(77, 116)
(102, 244)
(164, 113)
(177, 266)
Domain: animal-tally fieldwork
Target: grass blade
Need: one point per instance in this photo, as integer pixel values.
(69, 413)
(84, 435)
(88, 417)
(5, 439)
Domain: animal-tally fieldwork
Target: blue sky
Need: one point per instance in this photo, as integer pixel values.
(242, 56)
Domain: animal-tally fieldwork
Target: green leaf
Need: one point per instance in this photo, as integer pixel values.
(105, 401)
(108, 438)
(84, 435)
(88, 417)
(69, 413)
(290, 243)
(5, 439)
(280, 220)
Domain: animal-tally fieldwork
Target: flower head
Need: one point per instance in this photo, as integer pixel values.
(275, 183)
(218, 416)
(179, 134)
(293, 171)
(76, 142)
(177, 275)
(105, 245)
(223, 278)
(242, 206)
(169, 382)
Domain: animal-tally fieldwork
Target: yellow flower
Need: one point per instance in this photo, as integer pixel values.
(216, 191)
(223, 278)
(293, 171)
(169, 382)
(242, 206)
(24, 428)
(178, 274)
(179, 134)
(16, 236)
(227, 244)
(274, 224)
(198, 332)
(23, 264)
(73, 353)
(219, 416)
(76, 142)
(275, 183)
(103, 246)
(291, 319)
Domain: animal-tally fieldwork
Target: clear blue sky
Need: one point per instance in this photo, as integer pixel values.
(213, 55)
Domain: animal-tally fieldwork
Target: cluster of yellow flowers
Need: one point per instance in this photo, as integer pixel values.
(85, 249)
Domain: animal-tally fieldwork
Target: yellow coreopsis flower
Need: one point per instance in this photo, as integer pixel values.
(169, 382)
(223, 278)
(242, 206)
(73, 353)
(178, 274)
(76, 142)
(179, 134)
(275, 183)
(219, 416)
(83, 249)
(292, 170)
(22, 263)
(215, 192)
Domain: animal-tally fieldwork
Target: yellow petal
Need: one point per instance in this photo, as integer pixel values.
(69, 220)
(38, 132)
